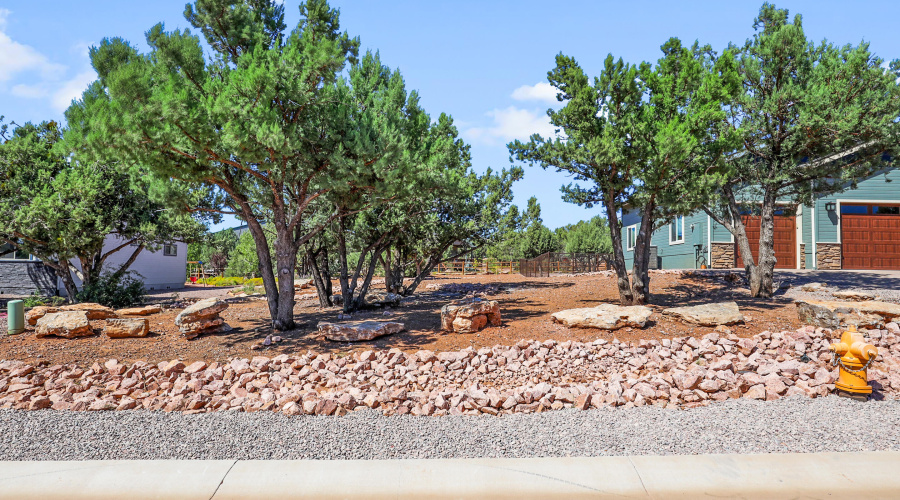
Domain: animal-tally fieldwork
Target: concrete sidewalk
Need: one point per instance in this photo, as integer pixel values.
(817, 475)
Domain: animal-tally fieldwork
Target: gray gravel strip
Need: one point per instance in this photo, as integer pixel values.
(795, 424)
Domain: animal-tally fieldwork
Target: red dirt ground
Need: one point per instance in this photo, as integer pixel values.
(525, 303)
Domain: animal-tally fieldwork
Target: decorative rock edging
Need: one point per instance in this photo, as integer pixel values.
(528, 377)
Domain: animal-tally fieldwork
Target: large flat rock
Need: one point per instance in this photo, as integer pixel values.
(93, 311)
(140, 311)
(357, 331)
(605, 316)
(713, 314)
(201, 310)
(66, 324)
(833, 314)
(39, 312)
(127, 327)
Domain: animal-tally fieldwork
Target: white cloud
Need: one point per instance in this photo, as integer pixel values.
(509, 124)
(33, 76)
(541, 91)
(72, 89)
(17, 58)
(28, 91)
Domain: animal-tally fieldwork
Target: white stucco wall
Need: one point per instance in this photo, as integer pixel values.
(156, 270)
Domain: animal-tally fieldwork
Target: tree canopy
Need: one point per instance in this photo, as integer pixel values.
(806, 119)
(270, 120)
(58, 206)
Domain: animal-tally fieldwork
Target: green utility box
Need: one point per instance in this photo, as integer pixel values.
(15, 319)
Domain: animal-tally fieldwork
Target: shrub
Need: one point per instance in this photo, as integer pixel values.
(222, 281)
(113, 291)
(37, 299)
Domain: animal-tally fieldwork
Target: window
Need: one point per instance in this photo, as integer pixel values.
(854, 209)
(676, 230)
(882, 210)
(8, 252)
(170, 250)
(630, 237)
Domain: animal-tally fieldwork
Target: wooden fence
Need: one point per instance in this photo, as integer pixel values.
(478, 267)
(563, 263)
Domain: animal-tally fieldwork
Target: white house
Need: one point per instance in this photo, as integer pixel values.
(159, 270)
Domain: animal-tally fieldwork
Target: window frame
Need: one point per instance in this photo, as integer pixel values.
(673, 225)
(629, 240)
(14, 251)
(174, 252)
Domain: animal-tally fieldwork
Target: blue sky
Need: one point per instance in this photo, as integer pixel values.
(484, 63)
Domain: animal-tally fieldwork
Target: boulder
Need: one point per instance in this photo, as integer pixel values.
(359, 330)
(127, 327)
(66, 324)
(713, 314)
(853, 295)
(140, 311)
(605, 316)
(39, 312)
(833, 314)
(202, 317)
(813, 287)
(302, 284)
(202, 309)
(383, 299)
(207, 325)
(470, 315)
(93, 311)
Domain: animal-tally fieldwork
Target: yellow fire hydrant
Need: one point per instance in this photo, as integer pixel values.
(853, 356)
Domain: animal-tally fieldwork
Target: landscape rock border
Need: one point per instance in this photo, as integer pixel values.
(531, 376)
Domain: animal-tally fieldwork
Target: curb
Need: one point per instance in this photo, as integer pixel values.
(867, 475)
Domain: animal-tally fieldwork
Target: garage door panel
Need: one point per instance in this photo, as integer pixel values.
(785, 241)
(870, 241)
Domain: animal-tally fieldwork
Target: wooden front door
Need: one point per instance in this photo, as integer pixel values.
(785, 241)
(870, 236)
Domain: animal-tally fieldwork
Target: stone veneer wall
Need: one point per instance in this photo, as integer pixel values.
(722, 255)
(803, 256)
(828, 255)
(23, 277)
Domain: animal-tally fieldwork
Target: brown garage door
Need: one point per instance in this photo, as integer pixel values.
(870, 236)
(785, 240)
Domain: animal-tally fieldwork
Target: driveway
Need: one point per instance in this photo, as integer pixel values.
(844, 279)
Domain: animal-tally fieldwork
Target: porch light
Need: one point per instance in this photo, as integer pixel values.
(830, 206)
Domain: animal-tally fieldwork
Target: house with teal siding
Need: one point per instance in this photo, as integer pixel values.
(854, 229)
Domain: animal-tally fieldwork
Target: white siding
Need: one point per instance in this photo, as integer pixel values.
(156, 270)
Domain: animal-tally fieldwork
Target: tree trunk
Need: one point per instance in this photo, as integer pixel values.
(762, 280)
(344, 272)
(281, 320)
(640, 275)
(736, 227)
(618, 257)
(124, 267)
(389, 285)
(360, 300)
(321, 275)
(286, 259)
